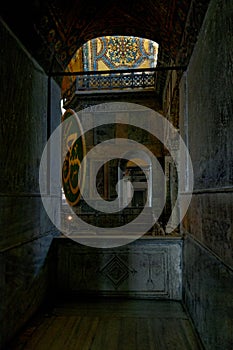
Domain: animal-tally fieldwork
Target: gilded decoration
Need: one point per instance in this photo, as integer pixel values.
(119, 52)
(76, 147)
(112, 52)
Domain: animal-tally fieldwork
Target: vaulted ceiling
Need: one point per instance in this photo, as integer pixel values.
(53, 30)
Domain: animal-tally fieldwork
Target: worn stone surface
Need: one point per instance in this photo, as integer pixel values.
(209, 219)
(207, 126)
(210, 99)
(25, 230)
(22, 219)
(25, 284)
(208, 290)
(23, 117)
(148, 268)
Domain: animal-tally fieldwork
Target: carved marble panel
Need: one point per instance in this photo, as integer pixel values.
(145, 268)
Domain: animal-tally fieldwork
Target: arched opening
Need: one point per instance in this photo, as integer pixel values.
(108, 62)
(117, 68)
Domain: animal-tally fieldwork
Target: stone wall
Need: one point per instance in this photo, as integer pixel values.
(145, 268)
(25, 230)
(207, 126)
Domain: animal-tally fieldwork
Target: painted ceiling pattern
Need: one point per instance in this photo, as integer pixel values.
(119, 52)
(112, 52)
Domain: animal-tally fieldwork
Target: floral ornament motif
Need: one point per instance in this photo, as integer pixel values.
(123, 51)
